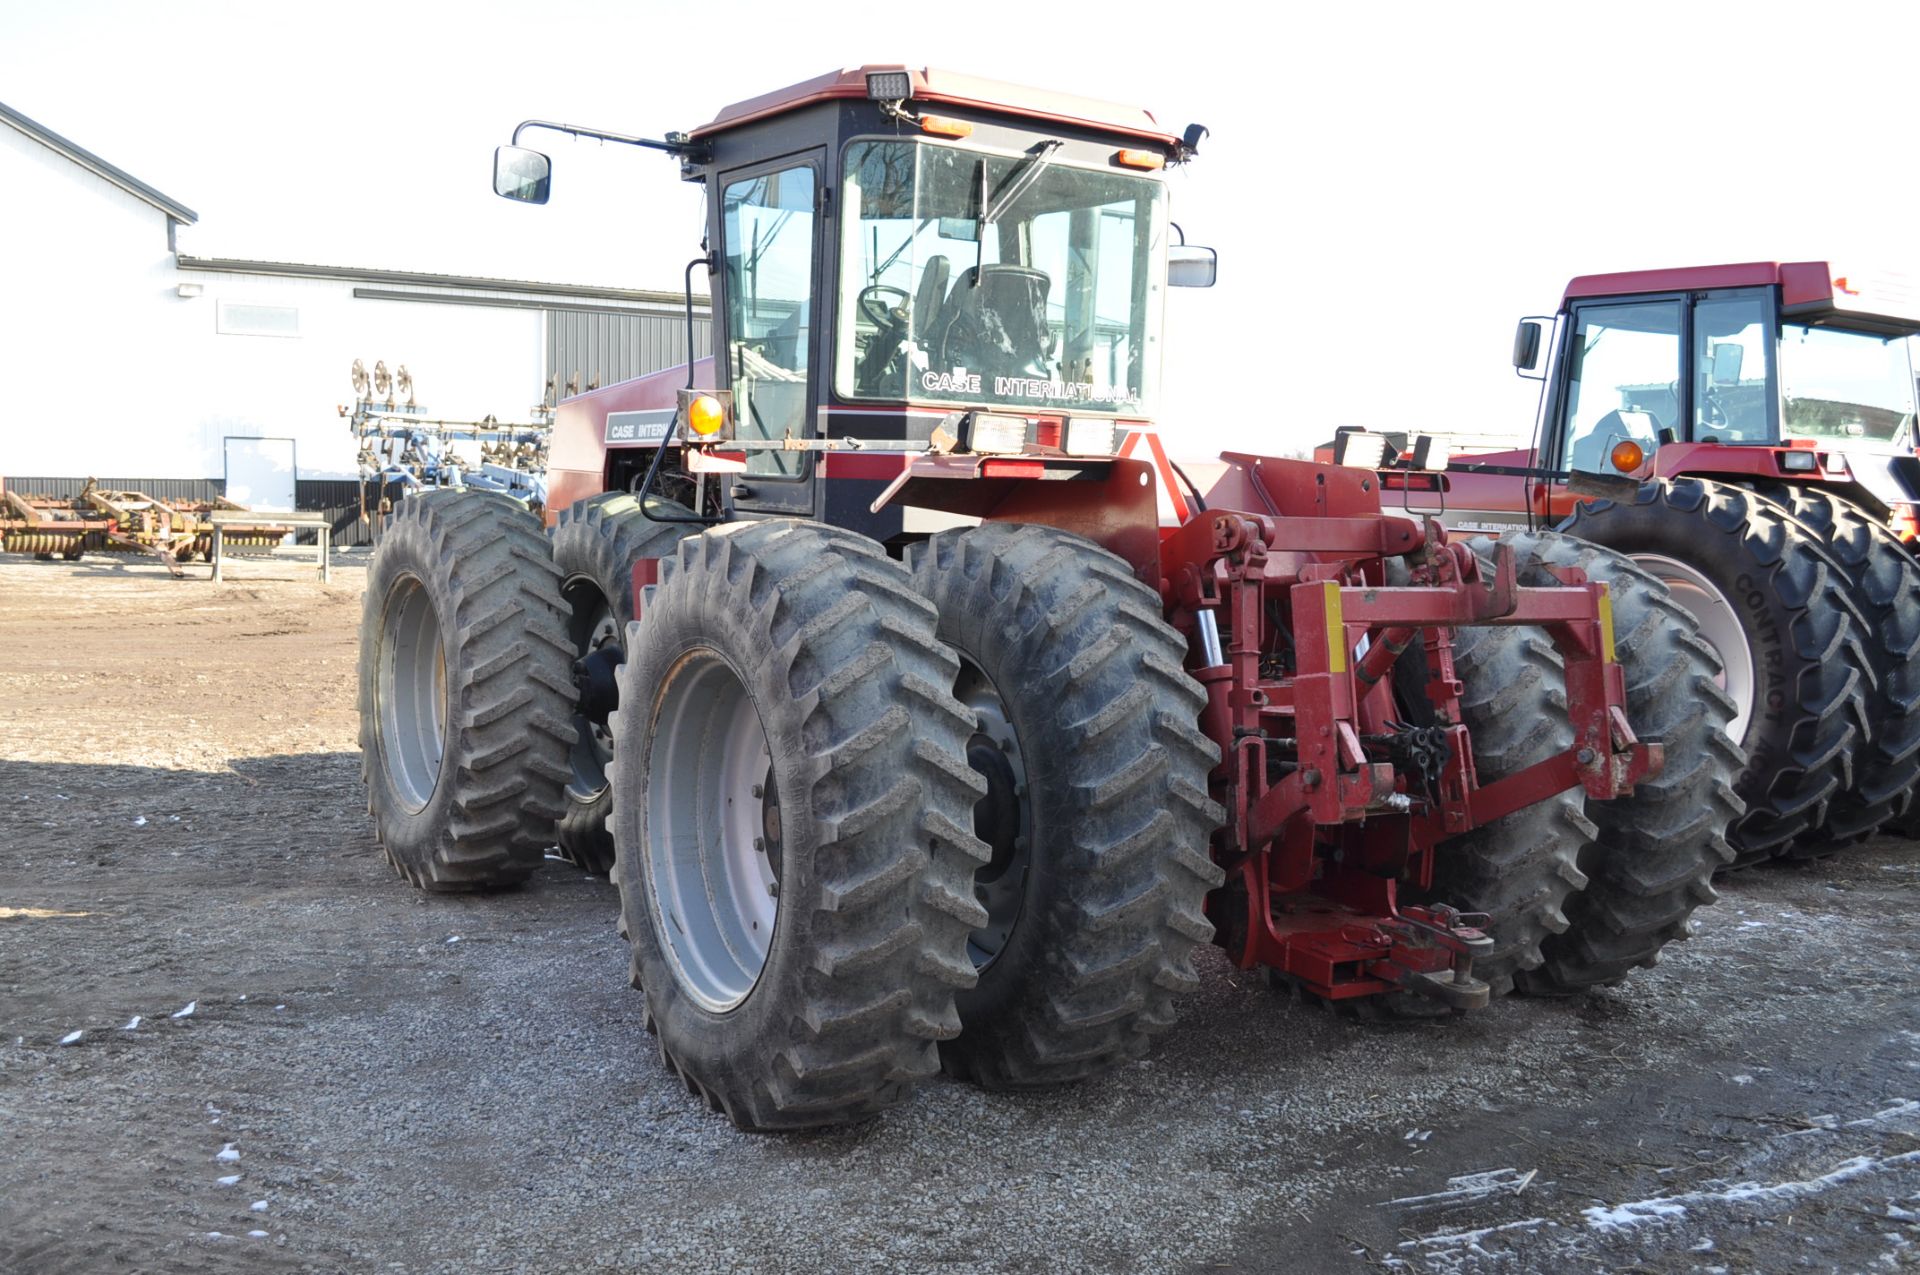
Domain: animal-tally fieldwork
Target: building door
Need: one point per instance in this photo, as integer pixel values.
(261, 472)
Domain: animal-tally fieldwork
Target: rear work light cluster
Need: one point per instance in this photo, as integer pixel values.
(1003, 434)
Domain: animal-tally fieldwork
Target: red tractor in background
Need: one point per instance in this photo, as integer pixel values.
(910, 736)
(1745, 433)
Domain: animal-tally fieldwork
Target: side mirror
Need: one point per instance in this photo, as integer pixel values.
(1526, 345)
(521, 174)
(1189, 266)
(1726, 357)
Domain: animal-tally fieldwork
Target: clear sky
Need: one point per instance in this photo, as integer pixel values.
(1389, 185)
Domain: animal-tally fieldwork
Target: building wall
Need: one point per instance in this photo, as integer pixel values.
(107, 369)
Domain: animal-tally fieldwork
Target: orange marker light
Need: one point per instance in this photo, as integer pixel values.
(705, 416)
(1140, 159)
(1626, 456)
(943, 126)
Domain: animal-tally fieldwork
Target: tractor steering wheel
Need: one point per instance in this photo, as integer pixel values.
(885, 316)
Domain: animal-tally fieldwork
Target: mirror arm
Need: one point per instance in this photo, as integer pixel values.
(675, 144)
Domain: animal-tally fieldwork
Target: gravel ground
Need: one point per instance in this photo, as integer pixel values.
(371, 1079)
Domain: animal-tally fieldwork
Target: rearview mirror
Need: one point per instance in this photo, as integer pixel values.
(521, 174)
(1189, 266)
(1526, 344)
(1726, 362)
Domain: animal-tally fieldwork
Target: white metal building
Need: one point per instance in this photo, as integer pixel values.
(125, 357)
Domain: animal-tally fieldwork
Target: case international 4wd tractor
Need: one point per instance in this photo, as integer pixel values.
(909, 734)
(1746, 434)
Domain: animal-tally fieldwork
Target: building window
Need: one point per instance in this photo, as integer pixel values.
(235, 319)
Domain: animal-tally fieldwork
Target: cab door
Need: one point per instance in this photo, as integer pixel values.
(772, 235)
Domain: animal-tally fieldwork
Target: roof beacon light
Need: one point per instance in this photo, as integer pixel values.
(1627, 455)
(889, 86)
(945, 126)
(1139, 159)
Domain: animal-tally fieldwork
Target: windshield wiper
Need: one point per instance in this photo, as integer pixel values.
(1023, 175)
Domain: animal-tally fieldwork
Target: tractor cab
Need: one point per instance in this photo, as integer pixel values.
(1794, 372)
(897, 254)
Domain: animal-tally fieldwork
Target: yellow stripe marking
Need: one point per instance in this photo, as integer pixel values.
(1336, 628)
(1606, 624)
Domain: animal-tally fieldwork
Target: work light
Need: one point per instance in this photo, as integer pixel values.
(889, 86)
(1092, 435)
(991, 432)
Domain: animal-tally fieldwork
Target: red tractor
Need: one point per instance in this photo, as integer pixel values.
(909, 735)
(1746, 434)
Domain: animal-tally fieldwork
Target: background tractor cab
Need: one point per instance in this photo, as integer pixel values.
(1792, 372)
(892, 252)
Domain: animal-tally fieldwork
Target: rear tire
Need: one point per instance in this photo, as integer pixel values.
(464, 693)
(1883, 583)
(1657, 850)
(1522, 868)
(595, 545)
(1774, 609)
(800, 932)
(1097, 811)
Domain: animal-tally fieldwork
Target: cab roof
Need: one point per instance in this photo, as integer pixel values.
(1805, 286)
(933, 87)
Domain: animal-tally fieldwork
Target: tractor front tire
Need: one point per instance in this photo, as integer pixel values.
(793, 812)
(464, 691)
(595, 545)
(1656, 852)
(1773, 605)
(1097, 812)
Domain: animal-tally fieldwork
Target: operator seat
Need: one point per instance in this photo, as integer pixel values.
(930, 298)
(999, 325)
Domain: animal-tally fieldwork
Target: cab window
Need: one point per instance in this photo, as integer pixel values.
(769, 263)
(1731, 345)
(1624, 381)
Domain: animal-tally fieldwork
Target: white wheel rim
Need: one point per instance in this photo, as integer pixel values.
(411, 690)
(1720, 628)
(713, 832)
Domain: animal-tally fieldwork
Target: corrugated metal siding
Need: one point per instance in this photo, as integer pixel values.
(605, 348)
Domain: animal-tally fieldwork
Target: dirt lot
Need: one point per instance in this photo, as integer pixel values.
(282, 1058)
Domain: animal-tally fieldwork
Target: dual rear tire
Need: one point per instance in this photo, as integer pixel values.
(837, 876)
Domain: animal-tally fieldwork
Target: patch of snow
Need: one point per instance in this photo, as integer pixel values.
(140, 821)
(186, 1012)
(1466, 1188)
(454, 939)
(1704, 1246)
(279, 1006)
(257, 1235)
(72, 1038)
(258, 1206)
(1741, 1079)
(232, 1179)
(229, 1154)
(1471, 1239)
(133, 1024)
(1669, 1208)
